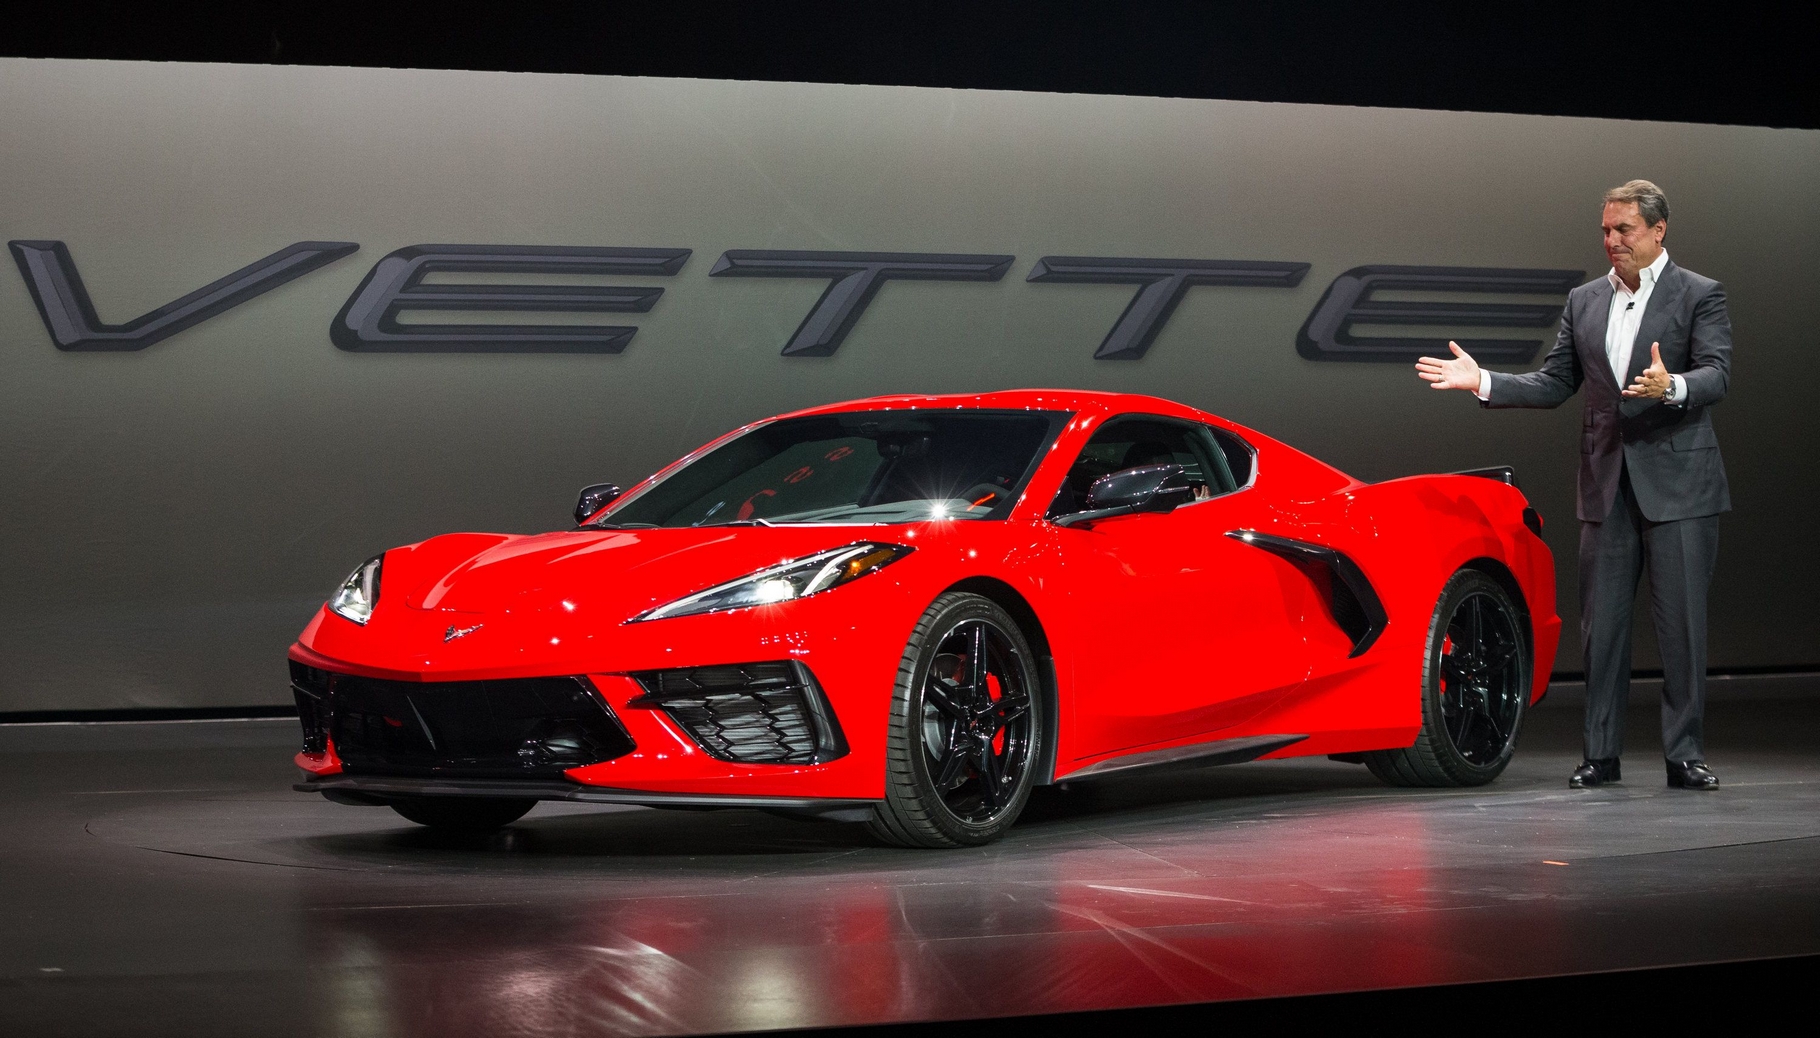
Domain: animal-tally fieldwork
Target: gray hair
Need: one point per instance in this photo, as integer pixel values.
(1651, 203)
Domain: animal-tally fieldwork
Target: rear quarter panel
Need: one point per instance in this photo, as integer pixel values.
(1409, 536)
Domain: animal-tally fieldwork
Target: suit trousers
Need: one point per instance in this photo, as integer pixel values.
(1680, 557)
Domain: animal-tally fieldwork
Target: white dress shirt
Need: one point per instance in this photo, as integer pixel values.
(1621, 324)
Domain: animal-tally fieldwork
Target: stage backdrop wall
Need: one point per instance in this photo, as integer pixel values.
(173, 510)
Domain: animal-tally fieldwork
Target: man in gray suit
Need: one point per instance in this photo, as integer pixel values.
(1651, 481)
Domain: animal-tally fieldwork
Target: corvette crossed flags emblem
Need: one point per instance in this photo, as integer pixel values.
(459, 632)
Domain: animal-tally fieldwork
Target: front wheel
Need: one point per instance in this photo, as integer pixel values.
(463, 814)
(1475, 686)
(966, 727)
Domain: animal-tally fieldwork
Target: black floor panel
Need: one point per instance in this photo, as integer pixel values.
(162, 879)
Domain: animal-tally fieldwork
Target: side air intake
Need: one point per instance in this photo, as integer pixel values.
(1355, 604)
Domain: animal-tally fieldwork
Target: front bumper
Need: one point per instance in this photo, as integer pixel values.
(848, 650)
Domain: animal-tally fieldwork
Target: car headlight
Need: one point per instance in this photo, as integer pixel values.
(359, 592)
(798, 578)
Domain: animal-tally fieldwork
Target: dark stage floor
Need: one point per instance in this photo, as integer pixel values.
(162, 879)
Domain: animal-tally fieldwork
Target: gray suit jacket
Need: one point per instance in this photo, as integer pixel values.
(1671, 450)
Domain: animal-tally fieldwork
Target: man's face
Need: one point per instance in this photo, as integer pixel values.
(1630, 243)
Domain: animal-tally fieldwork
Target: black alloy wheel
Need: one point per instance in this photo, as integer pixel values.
(463, 814)
(966, 728)
(1475, 687)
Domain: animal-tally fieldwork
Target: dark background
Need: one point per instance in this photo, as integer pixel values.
(252, 493)
(1741, 64)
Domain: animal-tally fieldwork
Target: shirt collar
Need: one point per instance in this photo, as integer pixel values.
(1647, 276)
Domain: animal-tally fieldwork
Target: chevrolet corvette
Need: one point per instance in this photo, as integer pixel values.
(909, 611)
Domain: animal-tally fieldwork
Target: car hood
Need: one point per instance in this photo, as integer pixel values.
(611, 575)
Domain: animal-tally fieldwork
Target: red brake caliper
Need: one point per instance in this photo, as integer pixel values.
(993, 689)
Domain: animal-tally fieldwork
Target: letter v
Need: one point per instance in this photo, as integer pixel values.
(69, 314)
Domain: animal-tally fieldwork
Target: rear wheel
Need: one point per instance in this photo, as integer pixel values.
(1475, 686)
(463, 814)
(966, 721)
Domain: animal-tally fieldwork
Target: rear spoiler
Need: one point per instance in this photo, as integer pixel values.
(1502, 473)
(1508, 476)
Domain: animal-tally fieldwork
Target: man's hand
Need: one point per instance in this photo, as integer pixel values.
(1462, 372)
(1653, 382)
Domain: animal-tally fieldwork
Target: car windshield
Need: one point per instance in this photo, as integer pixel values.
(854, 467)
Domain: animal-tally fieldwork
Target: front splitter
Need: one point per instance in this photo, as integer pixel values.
(356, 788)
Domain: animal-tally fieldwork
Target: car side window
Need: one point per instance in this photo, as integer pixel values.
(1240, 459)
(1133, 440)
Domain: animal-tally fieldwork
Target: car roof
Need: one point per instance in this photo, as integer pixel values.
(1075, 400)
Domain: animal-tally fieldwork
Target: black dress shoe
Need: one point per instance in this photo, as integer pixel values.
(1691, 774)
(1595, 771)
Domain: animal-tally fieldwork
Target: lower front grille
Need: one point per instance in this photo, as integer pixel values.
(521, 727)
(310, 687)
(748, 713)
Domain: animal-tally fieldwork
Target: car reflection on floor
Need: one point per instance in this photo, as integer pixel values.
(1251, 881)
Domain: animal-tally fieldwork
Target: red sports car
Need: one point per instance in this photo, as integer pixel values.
(910, 610)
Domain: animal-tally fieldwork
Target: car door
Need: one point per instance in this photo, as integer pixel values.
(1180, 629)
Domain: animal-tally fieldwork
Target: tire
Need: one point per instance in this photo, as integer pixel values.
(966, 728)
(1475, 688)
(463, 814)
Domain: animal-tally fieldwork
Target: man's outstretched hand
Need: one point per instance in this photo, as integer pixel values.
(1462, 372)
(1653, 381)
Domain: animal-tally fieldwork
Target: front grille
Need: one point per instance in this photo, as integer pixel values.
(749, 713)
(310, 687)
(521, 727)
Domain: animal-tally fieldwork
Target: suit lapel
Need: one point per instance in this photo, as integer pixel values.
(1596, 317)
(1655, 319)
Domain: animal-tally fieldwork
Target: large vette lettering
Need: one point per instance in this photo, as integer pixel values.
(1327, 334)
(1383, 295)
(856, 278)
(1164, 281)
(369, 322)
(69, 314)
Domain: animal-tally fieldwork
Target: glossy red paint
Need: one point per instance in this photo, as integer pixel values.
(319, 764)
(1163, 630)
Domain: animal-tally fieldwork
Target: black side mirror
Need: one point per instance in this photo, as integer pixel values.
(1147, 488)
(595, 498)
